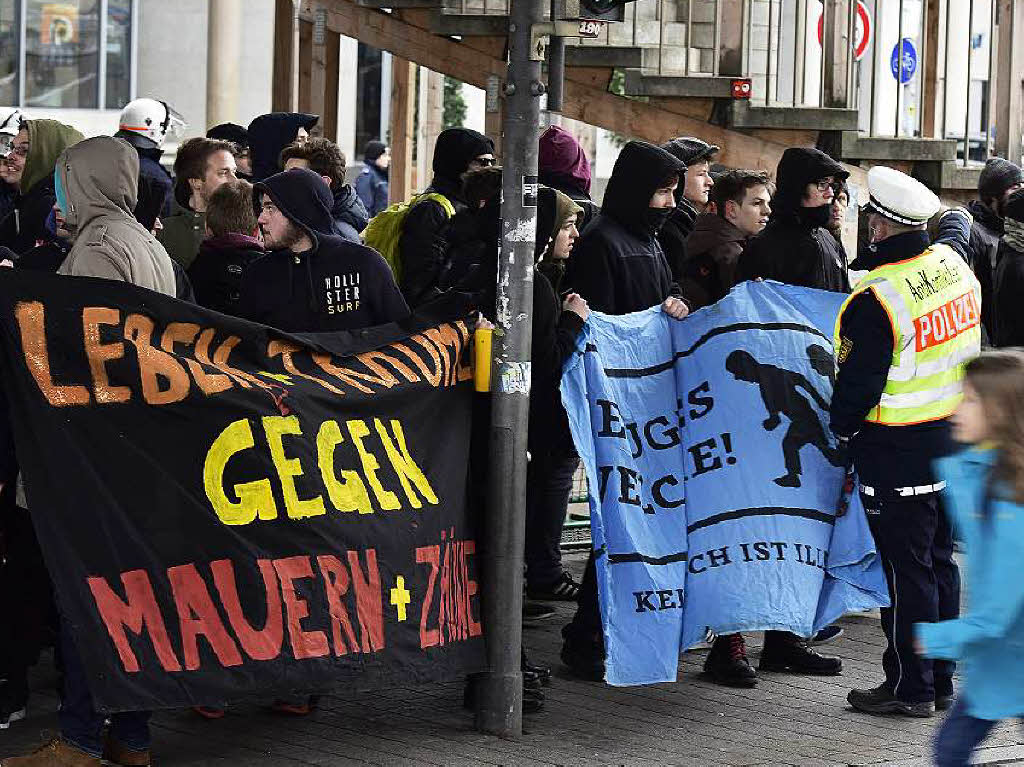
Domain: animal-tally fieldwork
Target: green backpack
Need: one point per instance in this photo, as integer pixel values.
(384, 231)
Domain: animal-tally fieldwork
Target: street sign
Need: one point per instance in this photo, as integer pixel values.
(591, 29)
(903, 73)
(862, 32)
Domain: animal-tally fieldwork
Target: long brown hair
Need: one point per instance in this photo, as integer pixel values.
(998, 379)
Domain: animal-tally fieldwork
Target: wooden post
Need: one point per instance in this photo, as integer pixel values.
(403, 106)
(285, 95)
(431, 112)
(306, 67)
(930, 126)
(317, 63)
(1009, 101)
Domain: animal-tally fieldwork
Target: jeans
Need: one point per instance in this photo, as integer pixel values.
(960, 735)
(916, 544)
(548, 485)
(81, 725)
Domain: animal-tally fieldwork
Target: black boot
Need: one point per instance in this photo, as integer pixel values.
(727, 662)
(533, 695)
(583, 654)
(880, 700)
(787, 652)
(542, 672)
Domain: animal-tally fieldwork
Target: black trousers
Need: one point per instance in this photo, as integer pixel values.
(548, 486)
(916, 543)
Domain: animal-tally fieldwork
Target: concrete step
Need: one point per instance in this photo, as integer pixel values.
(639, 83)
(949, 176)
(469, 25)
(853, 146)
(603, 56)
(740, 114)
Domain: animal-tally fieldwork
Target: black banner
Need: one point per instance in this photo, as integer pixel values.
(228, 511)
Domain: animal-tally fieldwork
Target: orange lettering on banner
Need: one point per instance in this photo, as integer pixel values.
(31, 318)
(185, 333)
(137, 611)
(286, 350)
(373, 361)
(155, 364)
(258, 644)
(197, 617)
(368, 600)
(429, 555)
(100, 354)
(336, 582)
(947, 322)
(305, 644)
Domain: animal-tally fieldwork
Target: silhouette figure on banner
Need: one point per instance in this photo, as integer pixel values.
(788, 393)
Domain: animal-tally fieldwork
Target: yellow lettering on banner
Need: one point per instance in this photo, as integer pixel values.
(289, 468)
(358, 430)
(347, 493)
(254, 498)
(405, 466)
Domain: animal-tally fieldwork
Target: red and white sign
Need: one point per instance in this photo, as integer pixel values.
(947, 322)
(863, 29)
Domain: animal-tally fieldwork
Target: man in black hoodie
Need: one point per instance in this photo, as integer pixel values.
(424, 243)
(269, 134)
(312, 280)
(795, 247)
(998, 180)
(618, 267)
(691, 197)
(323, 156)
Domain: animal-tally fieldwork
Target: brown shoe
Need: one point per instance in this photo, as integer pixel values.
(116, 753)
(56, 753)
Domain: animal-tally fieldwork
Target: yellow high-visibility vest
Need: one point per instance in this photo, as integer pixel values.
(934, 304)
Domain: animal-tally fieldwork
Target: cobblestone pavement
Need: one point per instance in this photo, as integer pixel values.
(786, 720)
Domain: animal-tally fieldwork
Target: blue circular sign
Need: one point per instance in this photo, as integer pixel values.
(905, 73)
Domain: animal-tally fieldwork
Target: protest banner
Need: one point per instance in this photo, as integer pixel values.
(714, 478)
(230, 512)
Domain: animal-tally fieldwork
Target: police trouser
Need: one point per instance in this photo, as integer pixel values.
(914, 538)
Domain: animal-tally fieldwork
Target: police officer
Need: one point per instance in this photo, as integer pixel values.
(903, 337)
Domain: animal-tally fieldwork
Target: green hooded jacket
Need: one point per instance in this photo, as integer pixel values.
(47, 139)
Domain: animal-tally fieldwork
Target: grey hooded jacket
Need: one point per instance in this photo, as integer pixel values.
(99, 177)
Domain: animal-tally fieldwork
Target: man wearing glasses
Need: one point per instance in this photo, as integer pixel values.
(796, 247)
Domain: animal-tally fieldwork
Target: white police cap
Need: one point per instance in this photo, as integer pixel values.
(899, 197)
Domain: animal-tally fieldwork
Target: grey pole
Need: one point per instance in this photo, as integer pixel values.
(556, 68)
(500, 691)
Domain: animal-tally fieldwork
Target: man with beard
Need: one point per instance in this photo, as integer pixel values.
(618, 267)
(795, 247)
(998, 180)
(312, 280)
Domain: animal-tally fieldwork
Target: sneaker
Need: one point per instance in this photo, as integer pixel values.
(584, 656)
(543, 672)
(944, 702)
(797, 658)
(562, 589)
(118, 754)
(826, 635)
(880, 700)
(56, 753)
(535, 613)
(727, 662)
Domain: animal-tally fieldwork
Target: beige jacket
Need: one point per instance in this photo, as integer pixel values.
(100, 179)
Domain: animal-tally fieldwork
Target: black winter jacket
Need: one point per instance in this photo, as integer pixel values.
(982, 256)
(349, 214)
(1007, 313)
(25, 226)
(337, 285)
(796, 248)
(617, 265)
(150, 168)
(218, 270)
(886, 456)
(673, 237)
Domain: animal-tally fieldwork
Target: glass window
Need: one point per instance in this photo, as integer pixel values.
(368, 95)
(61, 50)
(9, 39)
(119, 53)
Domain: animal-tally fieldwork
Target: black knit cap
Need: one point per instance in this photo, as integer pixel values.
(236, 134)
(690, 149)
(1014, 207)
(373, 150)
(997, 176)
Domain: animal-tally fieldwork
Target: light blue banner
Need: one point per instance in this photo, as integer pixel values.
(714, 479)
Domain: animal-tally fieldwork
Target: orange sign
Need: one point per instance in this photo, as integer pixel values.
(59, 24)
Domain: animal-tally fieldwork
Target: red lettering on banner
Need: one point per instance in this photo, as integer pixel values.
(197, 617)
(428, 555)
(305, 644)
(368, 600)
(449, 577)
(336, 586)
(947, 322)
(138, 612)
(262, 644)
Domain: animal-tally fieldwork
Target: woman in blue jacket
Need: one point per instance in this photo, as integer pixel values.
(985, 501)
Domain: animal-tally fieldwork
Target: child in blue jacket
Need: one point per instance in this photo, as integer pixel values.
(985, 501)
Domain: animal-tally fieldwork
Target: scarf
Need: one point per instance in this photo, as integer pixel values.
(1014, 234)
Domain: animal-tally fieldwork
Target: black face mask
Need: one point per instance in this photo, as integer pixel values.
(820, 216)
(656, 218)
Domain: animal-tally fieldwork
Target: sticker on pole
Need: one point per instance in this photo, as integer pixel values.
(903, 67)
(591, 29)
(530, 191)
(862, 33)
